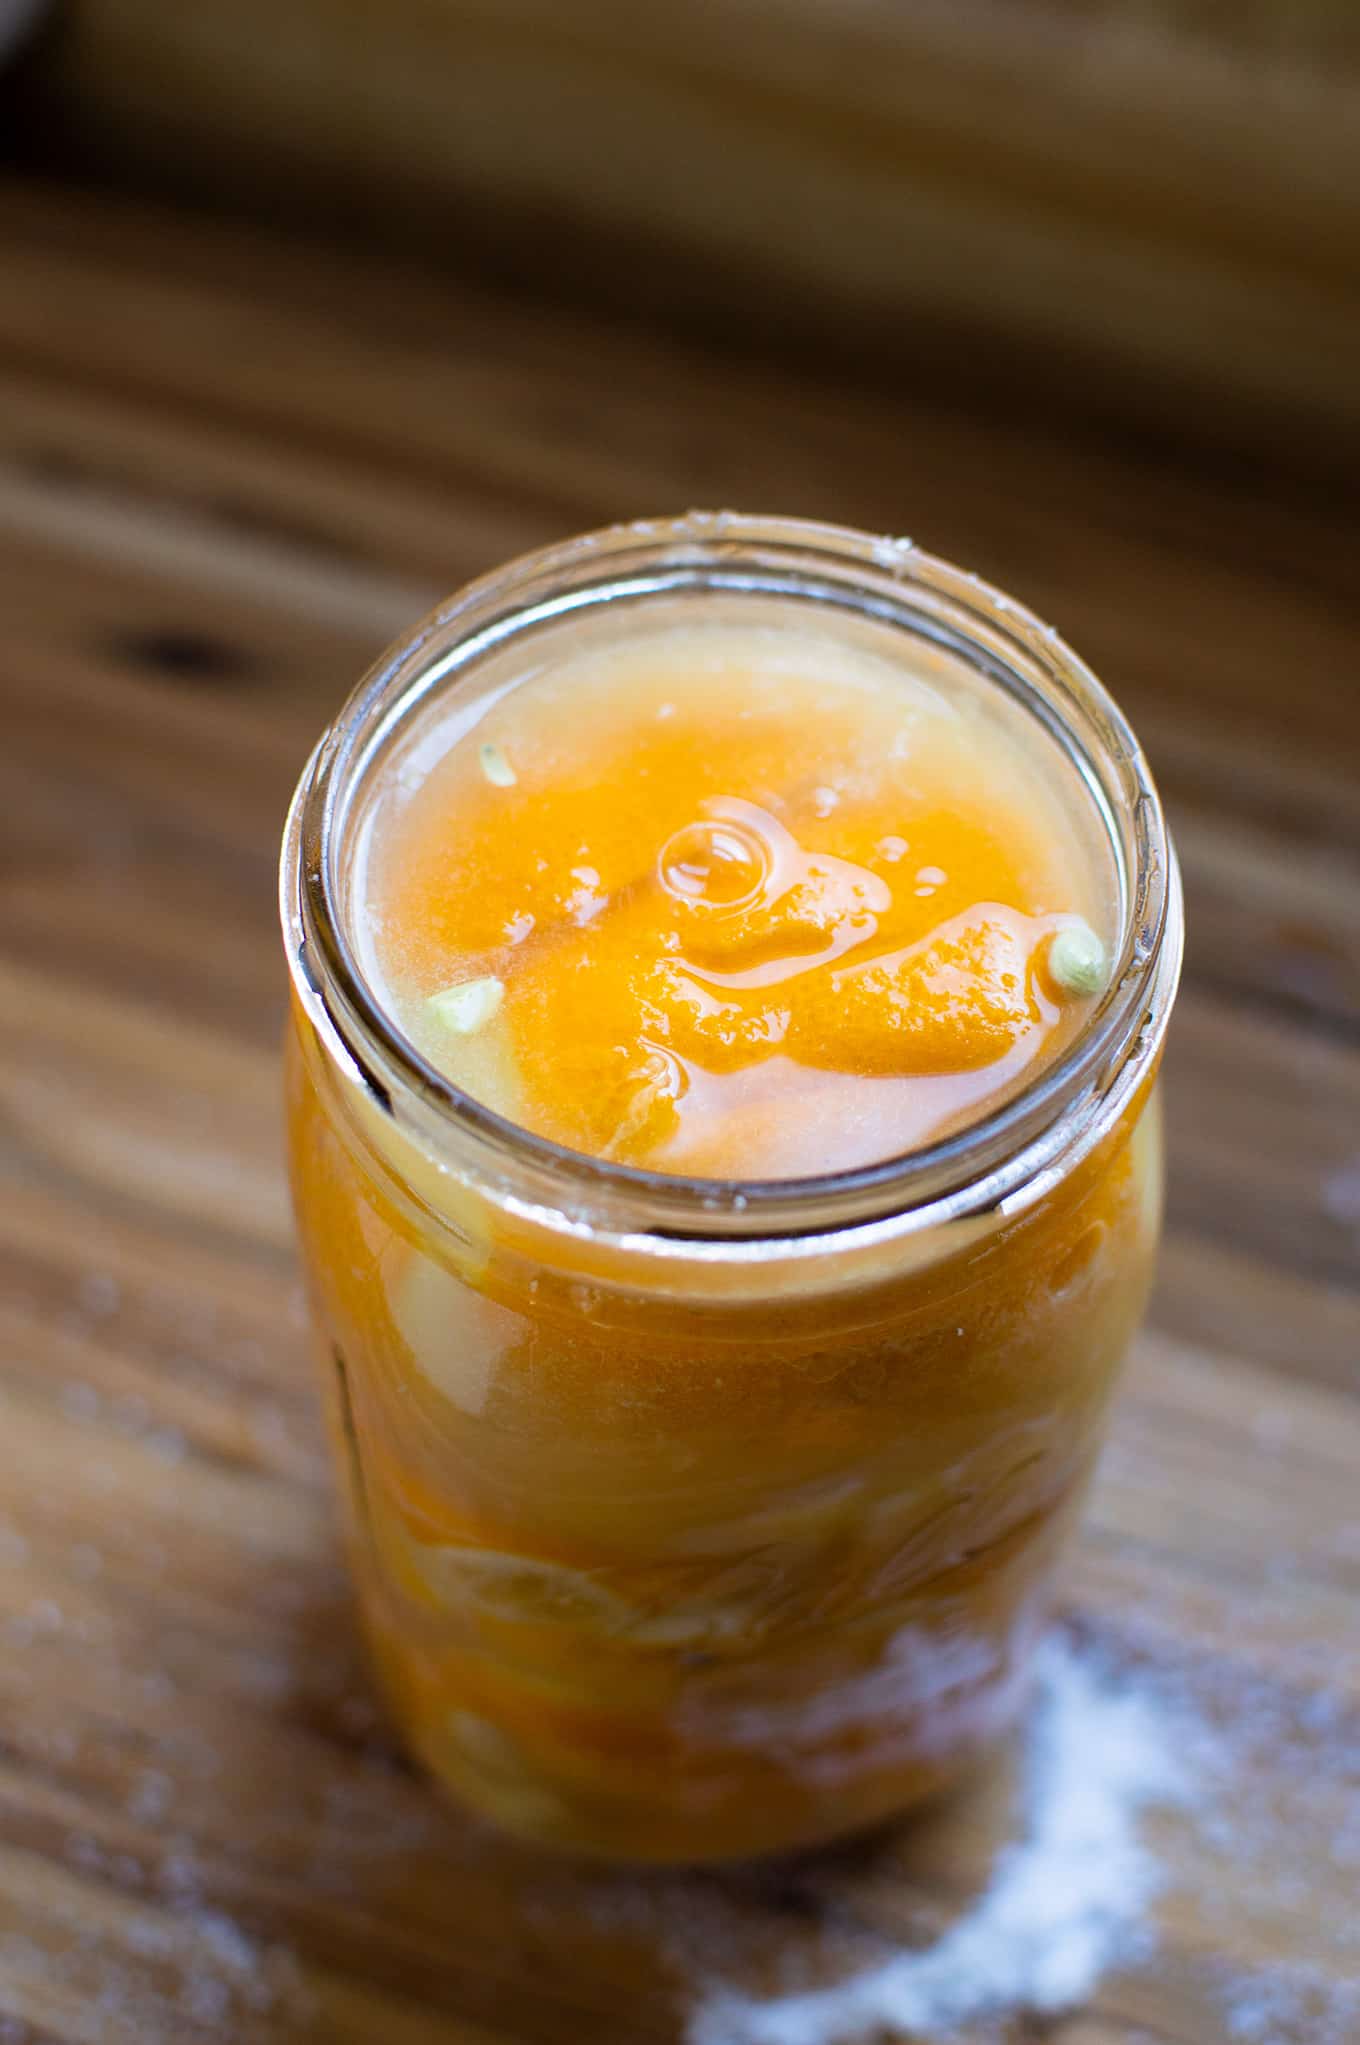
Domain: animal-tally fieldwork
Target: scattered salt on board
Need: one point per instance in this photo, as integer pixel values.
(1063, 1905)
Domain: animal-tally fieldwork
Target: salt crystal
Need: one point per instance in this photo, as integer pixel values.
(1341, 1193)
(131, 1413)
(1296, 2005)
(151, 1796)
(206, 2000)
(1063, 1905)
(98, 1294)
(79, 1402)
(225, 1940)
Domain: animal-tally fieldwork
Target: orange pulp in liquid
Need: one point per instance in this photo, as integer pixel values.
(653, 1568)
(750, 905)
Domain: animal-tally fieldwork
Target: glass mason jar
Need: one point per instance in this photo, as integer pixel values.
(694, 1518)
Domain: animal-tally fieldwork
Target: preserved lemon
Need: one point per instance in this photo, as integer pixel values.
(730, 973)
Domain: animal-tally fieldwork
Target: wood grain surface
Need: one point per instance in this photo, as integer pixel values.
(230, 469)
(1158, 195)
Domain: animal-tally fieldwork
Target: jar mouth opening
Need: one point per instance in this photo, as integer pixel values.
(887, 580)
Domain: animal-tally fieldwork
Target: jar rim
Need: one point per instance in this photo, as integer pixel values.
(988, 1163)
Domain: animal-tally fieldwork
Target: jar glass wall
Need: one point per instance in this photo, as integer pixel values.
(694, 1519)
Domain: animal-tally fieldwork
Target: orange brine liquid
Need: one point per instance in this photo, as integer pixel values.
(656, 1562)
(737, 903)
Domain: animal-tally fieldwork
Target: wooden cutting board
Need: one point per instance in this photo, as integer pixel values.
(230, 469)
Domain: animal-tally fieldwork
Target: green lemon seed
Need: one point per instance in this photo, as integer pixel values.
(1076, 960)
(468, 1007)
(496, 767)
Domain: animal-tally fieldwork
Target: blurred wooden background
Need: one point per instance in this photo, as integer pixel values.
(1147, 208)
